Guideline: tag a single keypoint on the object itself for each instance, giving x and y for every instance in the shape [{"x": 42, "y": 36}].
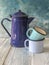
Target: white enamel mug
[{"x": 34, "y": 46}]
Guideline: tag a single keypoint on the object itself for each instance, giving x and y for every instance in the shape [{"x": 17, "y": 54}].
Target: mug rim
[
  {"x": 38, "y": 40},
  {"x": 38, "y": 31}
]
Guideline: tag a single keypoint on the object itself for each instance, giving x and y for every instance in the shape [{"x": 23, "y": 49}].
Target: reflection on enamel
[
  {"x": 14, "y": 19},
  {"x": 14, "y": 36}
]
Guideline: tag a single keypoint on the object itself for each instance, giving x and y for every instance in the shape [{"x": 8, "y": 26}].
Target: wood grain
[
  {"x": 1, "y": 41},
  {"x": 4, "y": 50},
  {"x": 20, "y": 56}
]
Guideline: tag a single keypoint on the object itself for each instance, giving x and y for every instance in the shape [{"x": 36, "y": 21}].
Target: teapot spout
[{"x": 30, "y": 19}]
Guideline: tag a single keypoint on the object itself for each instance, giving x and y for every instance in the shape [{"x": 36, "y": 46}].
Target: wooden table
[{"x": 19, "y": 56}]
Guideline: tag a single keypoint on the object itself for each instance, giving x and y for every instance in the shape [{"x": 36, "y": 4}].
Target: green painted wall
[{"x": 36, "y": 8}]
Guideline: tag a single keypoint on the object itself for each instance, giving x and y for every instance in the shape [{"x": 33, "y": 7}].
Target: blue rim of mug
[
  {"x": 38, "y": 31},
  {"x": 38, "y": 40}
]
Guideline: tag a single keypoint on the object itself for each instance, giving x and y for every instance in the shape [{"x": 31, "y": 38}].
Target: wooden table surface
[{"x": 19, "y": 56}]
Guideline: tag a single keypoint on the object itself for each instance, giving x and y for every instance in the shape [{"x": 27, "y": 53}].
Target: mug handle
[
  {"x": 27, "y": 33},
  {"x": 25, "y": 43}
]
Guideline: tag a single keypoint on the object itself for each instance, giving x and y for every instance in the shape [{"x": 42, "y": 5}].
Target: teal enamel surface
[{"x": 34, "y": 35}]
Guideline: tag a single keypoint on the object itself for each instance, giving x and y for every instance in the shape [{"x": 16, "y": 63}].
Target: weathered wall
[{"x": 36, "y": 8}]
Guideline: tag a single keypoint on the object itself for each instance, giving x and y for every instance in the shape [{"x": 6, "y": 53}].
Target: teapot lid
[{"x": 20, "y": 14}]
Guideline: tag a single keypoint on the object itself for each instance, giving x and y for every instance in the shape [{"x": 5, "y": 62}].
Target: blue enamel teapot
[{"x": 19, "y": 26}]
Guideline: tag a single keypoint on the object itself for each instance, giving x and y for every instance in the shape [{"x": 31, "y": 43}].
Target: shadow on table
[{"x": 46, "y": 49}]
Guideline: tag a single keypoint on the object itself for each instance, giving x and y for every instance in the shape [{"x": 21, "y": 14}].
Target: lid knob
[{"x": 19, "y": 10}]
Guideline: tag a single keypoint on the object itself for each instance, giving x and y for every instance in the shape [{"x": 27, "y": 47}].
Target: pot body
[{"x": 18, "y": 31}]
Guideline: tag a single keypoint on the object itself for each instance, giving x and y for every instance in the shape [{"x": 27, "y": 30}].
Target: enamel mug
[
  {"x": 34, "y": 46},
  {"x": 36, "y": 33}
]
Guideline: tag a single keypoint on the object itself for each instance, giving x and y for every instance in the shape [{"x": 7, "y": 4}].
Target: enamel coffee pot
[{"x": 19, "y": 27}]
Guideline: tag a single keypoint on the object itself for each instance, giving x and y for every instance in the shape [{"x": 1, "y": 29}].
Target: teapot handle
[{"x": 4, "y": 26}]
